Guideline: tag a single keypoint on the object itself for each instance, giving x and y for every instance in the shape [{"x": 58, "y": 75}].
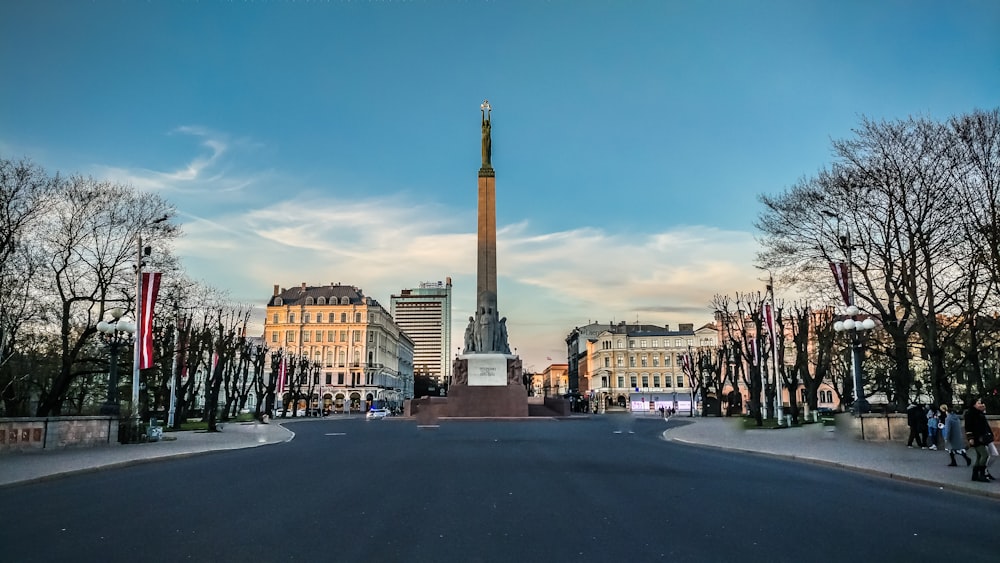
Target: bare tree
[{"x": 89, "y": 239}]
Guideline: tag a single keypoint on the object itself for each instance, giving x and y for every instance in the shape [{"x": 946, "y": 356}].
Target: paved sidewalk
[
  {"x": 35, "y": 465},
  {"x": 815, "y": 443}
]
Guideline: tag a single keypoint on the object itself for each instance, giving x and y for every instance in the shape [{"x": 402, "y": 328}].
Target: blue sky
[{"x": 338, "y": 141}]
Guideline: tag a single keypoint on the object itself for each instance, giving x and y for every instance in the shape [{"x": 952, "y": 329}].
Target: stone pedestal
[{"x": 483, "y": 386}]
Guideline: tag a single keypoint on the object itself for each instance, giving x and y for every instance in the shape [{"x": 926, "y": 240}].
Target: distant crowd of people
[{"x": 930, "y": 426}]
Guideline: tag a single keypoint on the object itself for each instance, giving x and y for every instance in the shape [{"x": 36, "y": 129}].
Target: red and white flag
[
  {"x": 840, "y": 273},
  {"x": 147, "y": 302},
  {"x": 769, "y": 319},
  {"x": 282, "y": 373}
]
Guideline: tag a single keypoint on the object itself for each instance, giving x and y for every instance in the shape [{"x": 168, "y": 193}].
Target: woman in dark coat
[{"x": 977, "y": 430}]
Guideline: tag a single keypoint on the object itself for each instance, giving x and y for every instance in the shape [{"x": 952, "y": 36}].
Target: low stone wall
[
  {"x": 57, "y": 432},
  {"x": 889, "y": 427}
]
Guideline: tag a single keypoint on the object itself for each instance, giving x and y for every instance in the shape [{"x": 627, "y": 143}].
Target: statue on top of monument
[{"x": 487, "y": 142}]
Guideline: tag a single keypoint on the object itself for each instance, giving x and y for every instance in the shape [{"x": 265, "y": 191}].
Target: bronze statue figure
[{"x": 487, "y": 141}]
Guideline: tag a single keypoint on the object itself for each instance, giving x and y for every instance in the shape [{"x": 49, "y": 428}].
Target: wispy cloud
[{"x": 205, "y": 174}]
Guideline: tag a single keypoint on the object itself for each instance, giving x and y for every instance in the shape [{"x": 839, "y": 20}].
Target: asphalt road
[{"x": 603, "y": 489}]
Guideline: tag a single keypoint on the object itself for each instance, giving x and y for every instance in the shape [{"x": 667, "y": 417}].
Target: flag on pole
[
  {"x": 147, "y": 302},
  {"x": 769, "y": 319},
  {"x": 840, "y": 272},
  {"x": 280, "y": 388}
]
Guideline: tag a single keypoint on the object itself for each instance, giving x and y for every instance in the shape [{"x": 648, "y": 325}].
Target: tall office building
[{"x": 424, "y": 314}]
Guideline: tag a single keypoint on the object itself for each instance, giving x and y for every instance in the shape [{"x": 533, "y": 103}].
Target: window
[
  {"x": 680, "y": 381},
  {"x": 631, "y": 361},
  {"x": 621, "y": 381},
  {"x": 342, "y": 359},
  {"x": 656, "y": 381},
  {"x": 291, "y": 317},
  {"x": 632, "y": 382},
  {"x": 357, "y": 317},
  {"x": 305, "y": 318},
  {"x": 321, "y": 301},
  {"x": 677, "y": 342},
  {"x": 607, "y": 362},
  {"x": 645, "y": 381},
  {"x": 329, "y": 359},
  {"x": 621, "y": 361},
  {"x": 274, "y": 319},
  {"x": 655, "y": 343},
  {"x": 643, "y": 361},
  {"x": 340, "y": 378},
  {"x": 355, "y": 336},
  {"x": 290, "y": 336},
  {"x": 329, "y": 376},
  {"x": 330, "y": 335},
  {"x": 331, "y": 318},
  {"x": 668, "y": 381},
  {"x": 309, "y": 301},
  {"x": 345, "y": 301},
  {"x": 343, "y": 336},
  {"x": 642, "y": 343},
  {"x": 278, "y": 301},
  {"x": 371, "y": 336},
  {"x": 319, "y": 336},
  {"x": 343, "y": 317},
  {"x": 305, "y": 336},
  {"x": 656, "y": 361},
  {"x": 666, "y": 361},
  {"x": 315, "y": 379},
  {"x": 621, "y": 344},
  {"x": 274, "y": 336},
  {"x": 690, "y": 341},
  {"x": 631, "y": 343}
]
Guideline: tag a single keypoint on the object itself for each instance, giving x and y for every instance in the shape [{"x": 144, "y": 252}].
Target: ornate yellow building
[{"x": 358, "y": 356}]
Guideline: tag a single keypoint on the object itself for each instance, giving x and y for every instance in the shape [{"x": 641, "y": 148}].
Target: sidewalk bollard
[{"x": 788, "y": 420}]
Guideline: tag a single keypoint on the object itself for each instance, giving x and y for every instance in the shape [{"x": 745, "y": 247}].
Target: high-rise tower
[{"x": 424, "y": 314}]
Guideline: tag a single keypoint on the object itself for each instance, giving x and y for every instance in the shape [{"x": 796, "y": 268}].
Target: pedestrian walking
[
  {"x": 979, "y": 435},
  {"x": 932, "y": 428},
  {"x": 953, "y": 437},
  {"x": 917, "y": 423}
]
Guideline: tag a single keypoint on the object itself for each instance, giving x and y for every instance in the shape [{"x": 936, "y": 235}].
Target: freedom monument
[{"x": 487, "y": 380}]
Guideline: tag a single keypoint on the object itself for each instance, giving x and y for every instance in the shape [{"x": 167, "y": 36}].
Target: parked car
[{"x": 377, "y": 413}]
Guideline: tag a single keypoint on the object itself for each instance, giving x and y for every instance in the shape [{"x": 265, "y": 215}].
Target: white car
[{"x": 377, "y": 413}]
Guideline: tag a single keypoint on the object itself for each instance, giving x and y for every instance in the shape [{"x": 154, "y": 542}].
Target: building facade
[
  {"x": 553, "y": 381},
  {"x": 577, "y": 357},
  {"x": 640, "y": 367},
  {"x": 358, "y": 356},
  {"x": 424, "y": 313}
]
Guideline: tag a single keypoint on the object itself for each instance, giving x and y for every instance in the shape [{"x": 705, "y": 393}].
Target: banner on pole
[
  {"x": 147, "y": 303},
  {"x": 840, "y": 272}
]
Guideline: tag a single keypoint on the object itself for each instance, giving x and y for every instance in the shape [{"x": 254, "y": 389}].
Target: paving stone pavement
[{"x": 824, "y": 445}]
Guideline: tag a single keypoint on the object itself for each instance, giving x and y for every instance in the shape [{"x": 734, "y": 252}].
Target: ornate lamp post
[
  {"x": 114, "y": 333},
  {"x": 854, "y": 325}
]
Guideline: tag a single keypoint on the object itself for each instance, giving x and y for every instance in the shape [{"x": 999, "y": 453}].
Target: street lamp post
[
  {"x": 854, "y": 326},
  {"x": 115, "y": 333}
]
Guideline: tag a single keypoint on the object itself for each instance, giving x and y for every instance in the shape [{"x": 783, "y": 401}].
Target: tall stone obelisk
[
  {"x": 487, "y": 380},
  {"x": 487, "y": 332},
  {"x": 486, "y": 280}
]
